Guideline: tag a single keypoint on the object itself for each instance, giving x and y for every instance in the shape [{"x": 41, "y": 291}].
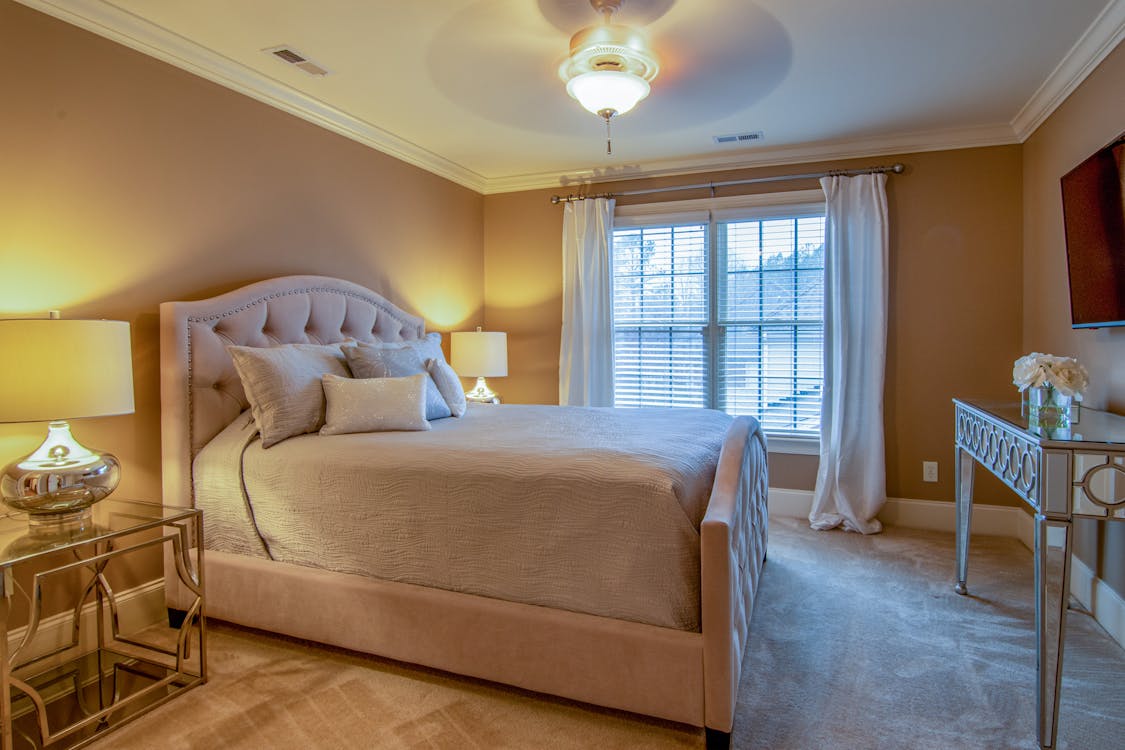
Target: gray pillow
[
  {"x": 282, "y": 384},
  {"x": 395, "y": 361}
]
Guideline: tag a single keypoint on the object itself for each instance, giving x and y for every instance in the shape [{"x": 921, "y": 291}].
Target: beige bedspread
[{"x": 590, "y": 510}]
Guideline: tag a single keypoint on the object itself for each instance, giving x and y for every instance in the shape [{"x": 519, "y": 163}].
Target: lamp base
[
  {"x": 62, "y": 477},
  {"x": 482, "y": 394},
  {"x": 63, "y": 523}
]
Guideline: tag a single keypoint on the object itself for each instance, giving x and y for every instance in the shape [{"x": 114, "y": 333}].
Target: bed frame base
[
  {"x": 176, "y": 618},
  {"x": 625, "y": 665},
  {"x": 717, "y": 740}
]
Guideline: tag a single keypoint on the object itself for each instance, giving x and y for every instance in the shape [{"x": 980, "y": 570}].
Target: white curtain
[
  {"x": 851, "y": 480},
  {"x": 586, "y": 357}
]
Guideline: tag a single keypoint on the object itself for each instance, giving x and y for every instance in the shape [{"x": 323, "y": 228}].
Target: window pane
[
  {"x": 743, "y": 243},
  {"x": 742, "y": 299},
  {"x": 660, "y": 306},
  {"x": 773, "y": 373},
  {"x": 660, "y": 275},
  {"x": 779, "y": 300},
  {"x": 659, "y": 367},
  {"x": 778, "y": 240},
  {"x": 769, "y": 313},
  {"x": 771, "y": 300},
  {"x": 810, "y": 293},
  {"x": 810, "y": 242}
]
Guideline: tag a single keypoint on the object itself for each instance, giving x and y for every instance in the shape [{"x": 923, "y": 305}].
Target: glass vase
[{"x": 1048, "y": 408}]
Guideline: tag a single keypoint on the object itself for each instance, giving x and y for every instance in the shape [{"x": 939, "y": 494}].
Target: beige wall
[
  {"x": 1091, "y": 117},
  {"x": 956, "y": 299},
  {"x": 128, "y": 182}
]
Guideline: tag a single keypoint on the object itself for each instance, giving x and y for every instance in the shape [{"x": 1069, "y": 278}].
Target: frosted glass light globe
[{"x": 601, "y": 90}]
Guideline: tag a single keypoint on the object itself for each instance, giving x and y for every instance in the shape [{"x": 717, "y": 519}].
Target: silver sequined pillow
[{"x": 374, "y": 404}]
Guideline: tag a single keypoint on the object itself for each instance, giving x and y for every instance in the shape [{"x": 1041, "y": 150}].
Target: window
[{"x": 723, "y": 308}]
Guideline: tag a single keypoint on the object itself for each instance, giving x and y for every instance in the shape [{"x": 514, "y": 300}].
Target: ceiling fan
[{"x": 609, "y": 66}]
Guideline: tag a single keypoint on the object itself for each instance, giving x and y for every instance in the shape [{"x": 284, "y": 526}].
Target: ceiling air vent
[
  {"x": 723, "y": 140},
  {"x": 295, "y": 58}
]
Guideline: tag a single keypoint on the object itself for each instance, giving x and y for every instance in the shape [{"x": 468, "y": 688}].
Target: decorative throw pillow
[
  {"x": 428, "y": 347},
  {"x": 282, "y": 384},
  {"x": 374, "y": 404},
  {"x": 395, "y": 361},
  {"x": 447, "y": 380},
  {"x": 448, "y": 385}
]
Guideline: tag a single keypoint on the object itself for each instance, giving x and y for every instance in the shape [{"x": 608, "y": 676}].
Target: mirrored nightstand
[{"x": 67, "y": 678}]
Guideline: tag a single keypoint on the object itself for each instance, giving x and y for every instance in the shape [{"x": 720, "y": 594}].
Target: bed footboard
[{"x": 732, "y": 551}]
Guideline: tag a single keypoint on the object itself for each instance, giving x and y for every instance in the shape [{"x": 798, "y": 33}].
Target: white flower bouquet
[{"x": 1064, "y": 374}]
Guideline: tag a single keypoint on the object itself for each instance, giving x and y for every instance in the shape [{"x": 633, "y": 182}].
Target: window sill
[{"x": 799, "y": 446}]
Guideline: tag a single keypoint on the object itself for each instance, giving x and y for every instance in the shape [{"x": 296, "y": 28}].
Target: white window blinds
[
  {"x": 660, "y": 312},
  {"x": 725, "y": 312}
]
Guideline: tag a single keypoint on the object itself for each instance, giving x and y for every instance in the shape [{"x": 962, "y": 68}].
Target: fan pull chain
[{"x": 608, "y": 139}]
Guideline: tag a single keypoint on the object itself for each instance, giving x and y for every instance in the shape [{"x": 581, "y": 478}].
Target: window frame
[{"x": 712, "y": 211}]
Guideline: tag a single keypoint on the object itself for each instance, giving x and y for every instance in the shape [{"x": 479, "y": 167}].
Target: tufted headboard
[{"x": 200, "y": 392}]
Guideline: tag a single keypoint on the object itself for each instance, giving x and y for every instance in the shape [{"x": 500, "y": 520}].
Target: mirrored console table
[{"x": 1062, "y": 475}]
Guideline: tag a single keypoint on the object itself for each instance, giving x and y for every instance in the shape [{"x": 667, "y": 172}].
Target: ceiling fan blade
[{"x": 711, "y": 70}]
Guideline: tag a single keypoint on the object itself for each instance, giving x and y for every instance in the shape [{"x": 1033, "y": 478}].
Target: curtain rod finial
[{"x": 898, "y": 168}]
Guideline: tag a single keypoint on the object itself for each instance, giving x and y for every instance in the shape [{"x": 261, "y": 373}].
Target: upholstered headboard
[{"x": 200, "y": 392}]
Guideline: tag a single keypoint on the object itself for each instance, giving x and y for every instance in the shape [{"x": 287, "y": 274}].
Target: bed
[{"x": 672, "y": 650}]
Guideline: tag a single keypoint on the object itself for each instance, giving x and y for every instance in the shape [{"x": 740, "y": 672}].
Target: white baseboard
[
  {"x": 1105, "y": 604},
  {"x": 137, "y": 608},
  {"x": 1094, "y": 594},
  {"x": 990, "y": 520}
]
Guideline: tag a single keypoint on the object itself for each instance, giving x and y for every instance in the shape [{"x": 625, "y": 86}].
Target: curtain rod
[{"x": 896, "y": 168}]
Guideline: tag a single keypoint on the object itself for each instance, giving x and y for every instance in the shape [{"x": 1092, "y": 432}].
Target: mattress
[{"x": 584, "y": 509}]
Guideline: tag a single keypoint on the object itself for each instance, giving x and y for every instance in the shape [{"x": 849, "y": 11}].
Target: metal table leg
[
  {"x": 1052, "y": 590},
  {"x": 963, "y": 491},
  {"x": 6, "y": 587}
]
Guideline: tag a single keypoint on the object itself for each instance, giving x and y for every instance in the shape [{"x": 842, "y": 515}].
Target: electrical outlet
[{"x": 929, "y": 471}]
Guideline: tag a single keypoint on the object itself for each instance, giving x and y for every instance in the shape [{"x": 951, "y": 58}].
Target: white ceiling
[{"x": 469, "y": 88}]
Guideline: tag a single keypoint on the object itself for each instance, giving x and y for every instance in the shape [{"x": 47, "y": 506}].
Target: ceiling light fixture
[{"x": 609, "y": 66}]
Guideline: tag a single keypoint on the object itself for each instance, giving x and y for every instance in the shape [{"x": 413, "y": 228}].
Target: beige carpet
[{"x": 858, "y": 642}]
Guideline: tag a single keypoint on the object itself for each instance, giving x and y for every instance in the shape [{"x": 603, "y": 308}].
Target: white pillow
[
  {"x": 395, "y": 361},
  {"x": 282, "y": 384},
  {"x": 375, "y": 404}
]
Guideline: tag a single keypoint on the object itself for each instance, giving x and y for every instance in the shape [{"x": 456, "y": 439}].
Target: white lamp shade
[
  {"x": 479, "y": 354},
  {"x": 64, "y": 369},
  {"x": 600, "y": 90}
]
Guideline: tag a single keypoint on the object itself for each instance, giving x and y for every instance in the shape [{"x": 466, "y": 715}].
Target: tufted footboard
[{"x": 733, "y": 549}]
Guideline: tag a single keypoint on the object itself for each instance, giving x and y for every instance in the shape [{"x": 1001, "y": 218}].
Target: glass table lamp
[
  {"x": 55, "y": 370},
  {"x": 480, "y": 354}
]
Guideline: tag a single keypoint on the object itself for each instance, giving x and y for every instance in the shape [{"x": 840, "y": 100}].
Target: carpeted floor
[{"x": 857, "y": 643}]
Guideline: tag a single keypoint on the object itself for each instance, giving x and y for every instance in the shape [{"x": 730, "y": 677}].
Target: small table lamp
[
  {"x": 480, "y": 354},
  {"x": 56, "y": 370}
]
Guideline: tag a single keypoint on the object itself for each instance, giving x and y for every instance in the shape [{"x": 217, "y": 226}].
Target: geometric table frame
[{"x": 69, "y": 695}]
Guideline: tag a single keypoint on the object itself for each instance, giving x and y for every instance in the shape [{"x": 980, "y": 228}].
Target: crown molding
[
  {"x": 118, "y": 25},
  {"x": 845, "y": 148},
  {"x": 1104, "y": 34},
  {"x": 125, "y": 28}
]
